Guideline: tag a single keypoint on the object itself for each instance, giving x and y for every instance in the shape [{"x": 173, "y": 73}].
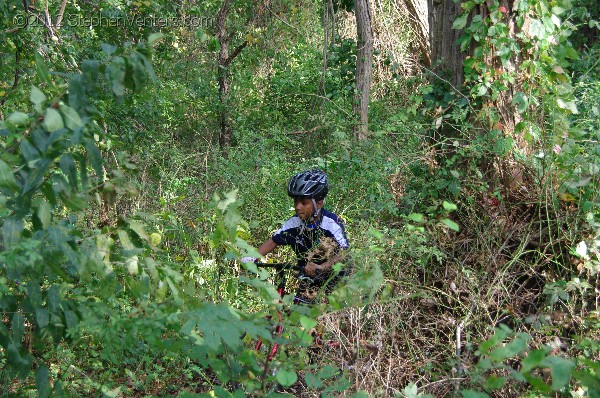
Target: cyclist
[{"x": 315, "y": 234}]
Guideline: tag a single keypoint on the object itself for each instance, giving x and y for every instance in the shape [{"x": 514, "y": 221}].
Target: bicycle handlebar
[{"x": 279, "y": 266}]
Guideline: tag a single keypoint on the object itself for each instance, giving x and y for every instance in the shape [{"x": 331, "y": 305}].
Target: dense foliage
[{"x": 473, "y": 212}]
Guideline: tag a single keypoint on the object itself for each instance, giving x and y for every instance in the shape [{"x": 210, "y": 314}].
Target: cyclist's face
[{"x": 304, "y": 208}]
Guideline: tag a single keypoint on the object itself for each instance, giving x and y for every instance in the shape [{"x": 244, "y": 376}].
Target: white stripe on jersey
[{"x": 330, "y": 225}]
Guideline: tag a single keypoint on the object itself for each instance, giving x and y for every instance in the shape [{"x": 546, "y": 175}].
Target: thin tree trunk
[
  {"x": 364, "y": 67},
  {"x": 222, "y": 75},
  {"x": 223, "y": 62}
]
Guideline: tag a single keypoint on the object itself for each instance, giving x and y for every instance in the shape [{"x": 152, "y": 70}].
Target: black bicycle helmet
[{"x": 310, "y": 184}]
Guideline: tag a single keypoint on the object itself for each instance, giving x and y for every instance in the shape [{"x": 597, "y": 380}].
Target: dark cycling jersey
[{"x": 303, "y": 238}]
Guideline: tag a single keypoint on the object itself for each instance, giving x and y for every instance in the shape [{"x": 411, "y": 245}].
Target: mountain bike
[{"x": 280, "y": 280}]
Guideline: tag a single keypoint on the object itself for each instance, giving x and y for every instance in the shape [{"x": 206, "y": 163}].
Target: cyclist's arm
[
  {"x": 311, "y": 268},
  {"x": 267, "y": 247}
]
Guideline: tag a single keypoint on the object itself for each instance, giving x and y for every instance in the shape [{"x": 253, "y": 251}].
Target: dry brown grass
[{"x": 494, "y": 272}]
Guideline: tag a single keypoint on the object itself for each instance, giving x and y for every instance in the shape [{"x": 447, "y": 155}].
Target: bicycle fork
[{"x": 276, "y": 332}]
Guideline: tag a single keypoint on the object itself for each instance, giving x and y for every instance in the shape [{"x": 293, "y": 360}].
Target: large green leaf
[
  {"x": 7, "y": 178},
  {"x": 11, "y": 229},
  {"x": 43, "y": 213},
  {"x": 18, "y": 118},
  {"x": 42, "y": 381},
  {"x": 71, "y": 117},
  {"x": 38, "y": 98},
  {"x": 286, "y": 377},
  {"x": 52, "y": 120},
  {"x": 561, "y": 369},
  {"x": 115, "y": 75}
]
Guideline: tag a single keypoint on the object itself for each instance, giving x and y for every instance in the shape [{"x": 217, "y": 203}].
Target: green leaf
[
  {"x": 42, "y": 317},
  {"x": 567, "y": 105},
  {"x": 521, "y": 102},
  {"x": 499, "y": 335},
  {"x": 38, "y": 98},
  {"x": 44, "y": 213},
  {"x": 416, "y": 217},
  {"x": 132, "y": 264},
  {"x": 327, "y": 372},
  {"x": 449, "y": 206},
  {"x": 451, "y": 224},
  {"x": 109, "y": 49},
  {"x": 115, "y": 75},
  {"x": 155, "y": 38},
  {"x": 495, "y": 382},
  {"x": 307, "y": 323},
  {"x": 220, "y": 392},
  {"x": 18, "y": 119},
  {"x": 138, "y": 228},
  {"x": 11, "y": 229},
  {"x": 17, "y": 326},
  {"x": 7, "y": 178},
  {"x": 69, "y": 168},
  {"x": 561, "y": 369},
  {"x": 114, "y": 393},
  {"x": 95, "y": 157},
  {"x": 230, "y": 198},
  {"x": 533, "y": 360},
  {"x": 42, "y": 381},
  {"x": 286, "y": 377},
  {"x": 71, "y": 319},
  {"x": 74, "y": 202},
  {"x": 313, "y": 381},
  {"x": 481, "y": 90},
  {"x": 460, "y": 22},
  {"x": 410, "y": 391},
  {"x": 52, "y": 120},
  {"x": 71, "y": 117},
  {"x": 41, "y": 68}
]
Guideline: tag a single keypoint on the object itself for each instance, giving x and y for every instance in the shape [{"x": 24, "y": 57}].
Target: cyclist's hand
[
  {"x": 249, "y": 259},
  {"x": 311, "y": 269}
]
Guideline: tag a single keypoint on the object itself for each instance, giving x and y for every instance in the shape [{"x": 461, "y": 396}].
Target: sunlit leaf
[
  {"x": 416, "y": 217},
  {"x": 18, "y": 119},
  {"x": 451, "y": 224},
  {"x": 52, "y": 120},
  {"x": 38, "y": 98},
  {"x": 71, "y": 117},
  {"x": 449, "y": 206},
  {"x": 154, "y": 38},
  {"x": 568, "y": 105},
  {"x": 286, "y": 377}
]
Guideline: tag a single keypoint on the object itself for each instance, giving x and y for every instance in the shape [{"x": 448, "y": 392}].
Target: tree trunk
[
  {"x": 222, "y": 75},
  {"x": 417, "y": 9},
  {"x": 445, "y": 51},
  {"x": 364, "y": 67}
]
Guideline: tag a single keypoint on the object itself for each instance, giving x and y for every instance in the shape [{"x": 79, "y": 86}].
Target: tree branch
[
  {"x": 235, "y": 53},
  {"x": 61, "y": 13}
]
